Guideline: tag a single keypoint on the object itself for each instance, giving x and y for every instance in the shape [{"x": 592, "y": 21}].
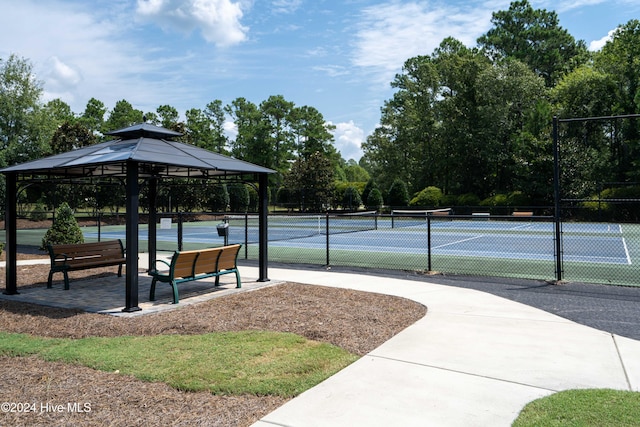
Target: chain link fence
[{"x": 592, "y": 247}]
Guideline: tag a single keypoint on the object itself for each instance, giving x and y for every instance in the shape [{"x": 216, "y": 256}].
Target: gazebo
[{"x": 139, "y": 152}]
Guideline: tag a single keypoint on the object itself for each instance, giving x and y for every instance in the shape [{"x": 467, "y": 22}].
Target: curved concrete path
[{"x": 475, "y": 359}]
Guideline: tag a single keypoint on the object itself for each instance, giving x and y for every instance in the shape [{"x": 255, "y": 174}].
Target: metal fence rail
[{"x": 480, "y": 244}]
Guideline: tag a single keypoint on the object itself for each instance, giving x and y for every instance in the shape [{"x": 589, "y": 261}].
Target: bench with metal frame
[
  {"x": 187, "y": 266},
  {"x": 83, "y": 256}
]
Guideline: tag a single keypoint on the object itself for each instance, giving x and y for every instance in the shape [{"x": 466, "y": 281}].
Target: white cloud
[
  {"x": 217, "y": 20},
  {"x": 596, "y": 45},
  {"x": 392, "y": 32},
  {"x": 286, "y": 6},
  {"x": 348, "y": 140},
  {"x": 332, "y": 70}
]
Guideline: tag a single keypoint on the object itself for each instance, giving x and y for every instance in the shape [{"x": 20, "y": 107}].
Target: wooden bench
[
  {"x": 187, "y": 266},
  {"x": 522, "y": 213},
  {"x": 83, "y": 256}
]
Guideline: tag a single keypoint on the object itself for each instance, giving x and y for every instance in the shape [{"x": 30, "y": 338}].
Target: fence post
[
  {"x": 428, "y": 242},
  {"x": 246, "y": 235},
  {"x": 327, "y": 234},
  {"x": 556, "y": 197},
  {"x": 179, "y": 231}
]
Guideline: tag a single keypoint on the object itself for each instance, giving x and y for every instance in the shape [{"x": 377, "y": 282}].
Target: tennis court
[
  {"x": 491, "y": 246},
  {"x": 525, "y": 240}
]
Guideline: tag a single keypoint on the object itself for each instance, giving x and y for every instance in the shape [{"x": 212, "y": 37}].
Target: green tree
[
  {"x": 20, "y": 94},
  {"x": 351, "y": 199},
  {"x": 169, "y": 116},
  {"x": 122, "y": 115},
  {"x": 618, "y": 59},
  {"x": 428, "y": 197},
  {"x": 93, "y": 116},
  {"x": 535, "y": 37},
  {"x": 64, "y": 230},
  {"x": 398, "y": 196},
  {"x": 205, "y": 129},
  {"x": 238, "y": 197},
  {"x": 310, "y": 181},
  {"x": 355, "y": 173},
  {"x": 374, "y": 199},
  {"x": 217, "y": 197},
  {"x": 312, "y": 134},
  {"x": 71, "y": 136},
  {"x": 252, "y": 143},
  {"x": 276, "y": 112}
]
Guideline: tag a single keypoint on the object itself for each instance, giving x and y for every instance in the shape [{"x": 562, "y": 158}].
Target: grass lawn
[
  {"x": 225, "y": 363},
  {"x": 580, "y": 408}
]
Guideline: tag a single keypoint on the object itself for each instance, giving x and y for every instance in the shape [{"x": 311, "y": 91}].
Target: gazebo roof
[{"x": 150, "y": 146}]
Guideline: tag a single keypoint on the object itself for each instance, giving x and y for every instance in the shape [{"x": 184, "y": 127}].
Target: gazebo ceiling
[{"x": 148, "y": 145}]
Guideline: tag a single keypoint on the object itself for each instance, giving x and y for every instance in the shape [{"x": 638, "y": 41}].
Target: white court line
[
  {"x": 459, "y": 241},
  {"x": 626, "y": 251}
]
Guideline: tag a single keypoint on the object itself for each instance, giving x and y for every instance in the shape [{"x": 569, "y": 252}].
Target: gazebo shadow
[{"x": 105, "y": 294}]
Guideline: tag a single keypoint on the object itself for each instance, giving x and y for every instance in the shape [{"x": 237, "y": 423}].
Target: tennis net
[
  {"x": 415, "y": 218},
  {"x": 298, "y": 226}
]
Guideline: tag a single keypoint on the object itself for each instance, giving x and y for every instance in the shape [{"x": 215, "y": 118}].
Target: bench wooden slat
[
  {"x": 187, "y": 266},
  {"x": 82, "y": 256}
]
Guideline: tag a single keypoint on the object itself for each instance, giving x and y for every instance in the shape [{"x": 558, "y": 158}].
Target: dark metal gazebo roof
[
  {"x": 150, "y": 146},
  {"x": 140, "y": 151}
]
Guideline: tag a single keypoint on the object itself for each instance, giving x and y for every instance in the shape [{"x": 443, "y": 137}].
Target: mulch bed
[{"x": 356, "y": 321}]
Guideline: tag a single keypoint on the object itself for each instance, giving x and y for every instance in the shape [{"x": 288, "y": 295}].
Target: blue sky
[{"x": 336, "y": 56}]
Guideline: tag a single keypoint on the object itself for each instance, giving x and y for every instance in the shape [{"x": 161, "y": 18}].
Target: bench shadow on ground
[{"x": 107, "y": 295}]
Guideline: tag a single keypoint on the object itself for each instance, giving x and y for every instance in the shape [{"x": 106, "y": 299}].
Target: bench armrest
[{"x": 155, "y": 268}]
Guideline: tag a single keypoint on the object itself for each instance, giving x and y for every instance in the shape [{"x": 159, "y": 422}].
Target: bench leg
[
  {"x": 174, "y": 286},
  {"x": 66, "y": 280},
  {"x": 120, "y": 270},
  {"x": 239, "y": 283},
  {"x": 49, "y": 281},
  {"x": 152, "y": 290}
]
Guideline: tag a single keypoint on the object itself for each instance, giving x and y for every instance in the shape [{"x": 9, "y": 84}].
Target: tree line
[
  {"x": 473, "y": 124},
  {"x": 465, "y": 126},
  {"x": 294, "y": 141}
]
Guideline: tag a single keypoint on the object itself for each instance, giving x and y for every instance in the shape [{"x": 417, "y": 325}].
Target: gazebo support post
[
  {"x": 263, "y": 206},
  {"x": 132, "y": 238},
  {"x": 153, "y": 191},
  {"x": 10, "y": 225}
]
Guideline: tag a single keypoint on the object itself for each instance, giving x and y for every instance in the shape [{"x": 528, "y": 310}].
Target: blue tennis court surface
[{"x": 582, "y": 242}]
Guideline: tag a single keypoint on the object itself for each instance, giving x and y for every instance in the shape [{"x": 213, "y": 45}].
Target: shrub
[
  {"x": 374, "y": 200},
  {"x": 254, "y": 201},
  {"x": 38, "y": 213},
  {"x": 468, "y": 199},
  {"x": 218, "y": 198},
  {"x": 371, "y": 184},
  {"x": 398, "y": 194},
  {"x": 64, "y": 230},
  {"x": 518, "y": 198},
  {"x": 351, "y": 198},
  {"x": 430, "y": 196},
  {"x": 238, "y": 197}
]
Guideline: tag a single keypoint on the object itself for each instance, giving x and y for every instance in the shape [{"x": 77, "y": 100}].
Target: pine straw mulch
[{"x": 355, "y": 321}]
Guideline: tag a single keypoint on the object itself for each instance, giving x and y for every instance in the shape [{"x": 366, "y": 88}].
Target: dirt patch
[{"x": 356, "y": 321}]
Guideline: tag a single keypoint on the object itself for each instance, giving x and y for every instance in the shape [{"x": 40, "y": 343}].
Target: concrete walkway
[{"x": 475, "y": 359}]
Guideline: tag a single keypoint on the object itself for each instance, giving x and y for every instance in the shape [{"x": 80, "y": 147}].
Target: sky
[{"x": 336, "y": 56}]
